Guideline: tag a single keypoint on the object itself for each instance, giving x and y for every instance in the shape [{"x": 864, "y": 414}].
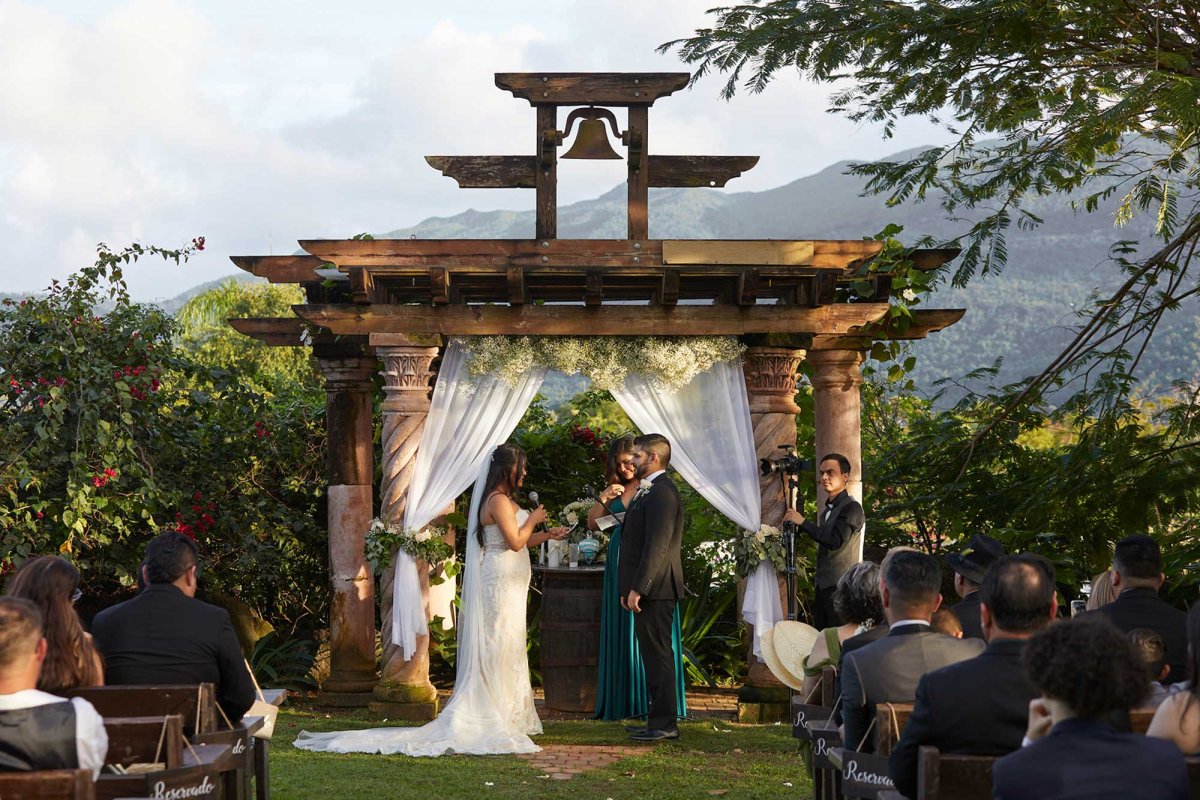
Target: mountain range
[{"x": 1020, "y": 317}]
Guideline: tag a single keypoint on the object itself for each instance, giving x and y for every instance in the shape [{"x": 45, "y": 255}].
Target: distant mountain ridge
[{"x": 1021, "y": 316}]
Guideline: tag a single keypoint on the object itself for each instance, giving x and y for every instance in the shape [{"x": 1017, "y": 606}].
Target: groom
[{"x": 650, "y": 578}]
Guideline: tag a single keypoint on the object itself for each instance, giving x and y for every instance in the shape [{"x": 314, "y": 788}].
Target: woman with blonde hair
[
  {"x": 1103, "y": 591},
  {"x": 72, "y": 661}
]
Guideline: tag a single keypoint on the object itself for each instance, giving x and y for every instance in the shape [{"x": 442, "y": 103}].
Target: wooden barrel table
[{"x": 570, "y": 631}]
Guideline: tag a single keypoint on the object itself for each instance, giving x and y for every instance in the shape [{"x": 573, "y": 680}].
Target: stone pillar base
[
  {"x": 331, "y": 699},
  {"x": 409, "y": 712},
  {"x": 762, "y": 705},
  {"x": 361, "y": 681}
]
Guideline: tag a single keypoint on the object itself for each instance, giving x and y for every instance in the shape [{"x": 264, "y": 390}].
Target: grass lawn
[{"x": 713, "y": 758}]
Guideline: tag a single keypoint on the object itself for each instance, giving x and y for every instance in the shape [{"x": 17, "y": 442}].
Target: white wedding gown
[{"x": 491, "y": 710}]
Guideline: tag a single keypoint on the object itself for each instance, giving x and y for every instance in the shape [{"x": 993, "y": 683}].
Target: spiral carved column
[
  {"x": 349, "y": 467},
  {"x": 771, "y": 374},
  {"x": 404, "y": 690}
]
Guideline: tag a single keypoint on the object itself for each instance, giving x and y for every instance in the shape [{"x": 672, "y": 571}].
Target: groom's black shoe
[
  {"x": 635, "y": 728},
  {"x": 654, "y": 735}
]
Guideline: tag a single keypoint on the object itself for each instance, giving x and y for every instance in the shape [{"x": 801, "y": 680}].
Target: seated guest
[
  {"x": 863, "y": 639},
  {"x": 39, "y": 731},
  {"x": 1103, "y": 591},
  {"x": 52, "y": 584},
  {"x": 980, "y": 706},
  {"x": 1137, "y": 576},
  {"x": 1152, "y": 651},
  {"x": 1086, "y": 669},
  {"x": 856, "y": 601},
  {"x": 1178, "y": 717},
  {"x": 887, "y": 670},
  {"x": 945, "y": 621},
  {"x": 165, "y": 635},
  {"x": 969, "y": 568}
]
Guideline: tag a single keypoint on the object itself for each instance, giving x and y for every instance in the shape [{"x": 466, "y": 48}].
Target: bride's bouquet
[{"x": 425, "y": 544}]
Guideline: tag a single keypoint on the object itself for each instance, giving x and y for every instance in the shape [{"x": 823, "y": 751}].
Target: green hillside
[{"x": 1020, "y": 316}]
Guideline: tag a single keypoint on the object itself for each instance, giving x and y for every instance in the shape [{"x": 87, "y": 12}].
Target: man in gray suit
[{"x": 888, "y": 670}]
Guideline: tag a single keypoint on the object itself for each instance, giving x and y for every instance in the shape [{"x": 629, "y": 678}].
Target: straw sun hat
[{"x": 784, "y": 648}]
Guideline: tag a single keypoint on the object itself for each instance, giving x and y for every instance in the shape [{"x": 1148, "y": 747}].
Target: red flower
[
  {"x": 116, "y": 374},
  {"x": 208, "y": 520},
  {"x": 99, "y": 481},
  {"x": 197, "y": 495},
  {"x": 41, "y": 402},
  {"x": 186, "y": 530},
  {"x": 60, "y": 380},
  {"x": 198, "y": 242},
  {"x": 39, "y": 514},
  {"x": 154, "y": 384},
  {"x": 110, "y": 472}
]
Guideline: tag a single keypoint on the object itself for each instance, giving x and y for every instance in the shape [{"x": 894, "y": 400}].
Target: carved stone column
[
  {"x": 771, "y": 374},
  {"x": 350, "y": 467},
  {"x": 837, "y": 411},
  {"x": 404, "y": 690}
]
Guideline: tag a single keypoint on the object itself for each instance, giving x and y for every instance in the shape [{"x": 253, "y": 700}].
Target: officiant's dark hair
[
  {"x": 507, "y": 460},
  {"x": 656, "y": 443},
  {"x": 617, "y": 448}
]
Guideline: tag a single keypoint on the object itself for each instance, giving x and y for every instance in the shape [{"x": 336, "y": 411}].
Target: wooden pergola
[{"x": 398, "y": 300}]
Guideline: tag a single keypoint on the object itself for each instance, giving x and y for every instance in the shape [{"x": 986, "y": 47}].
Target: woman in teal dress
[{"x": 621, "y": 693}]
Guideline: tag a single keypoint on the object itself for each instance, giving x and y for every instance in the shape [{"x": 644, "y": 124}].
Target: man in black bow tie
[{"x": 838, "y": 535}]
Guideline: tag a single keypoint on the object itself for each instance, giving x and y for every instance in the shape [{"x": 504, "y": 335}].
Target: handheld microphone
[{"x": 533, "y": 498}]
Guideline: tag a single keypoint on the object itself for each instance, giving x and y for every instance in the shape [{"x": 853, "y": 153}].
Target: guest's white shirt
[
  {"x": 900, "y": 622},
  {"x": 91, "y": 740}
]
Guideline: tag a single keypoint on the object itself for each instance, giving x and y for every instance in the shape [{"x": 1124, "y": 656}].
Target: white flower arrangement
[
  {"x": 575, "y": 512},
  {"x": 425, "y": 544},
  {"x": 669, "y": 361},
  {"x": 751, "y": 547}
]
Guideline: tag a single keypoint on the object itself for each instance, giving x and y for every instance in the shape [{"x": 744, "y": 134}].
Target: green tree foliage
[
  {"x": 205, "y": 332},
  {"x": 111, "y": 432},
  {"x": 1097, "y": 99}
]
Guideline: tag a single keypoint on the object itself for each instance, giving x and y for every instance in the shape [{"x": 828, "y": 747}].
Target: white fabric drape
[
  {"x": 712, "y": 447},
  {"x": 712, "y": 440},
  {"x": 761, "y": 606},
  {"x": 469, "y": 416}
]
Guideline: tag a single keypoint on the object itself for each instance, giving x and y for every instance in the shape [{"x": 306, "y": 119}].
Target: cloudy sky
[{"x": 255, "y": 123}]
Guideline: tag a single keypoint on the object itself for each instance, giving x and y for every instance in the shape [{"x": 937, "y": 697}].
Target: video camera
[{"x": 787, "y": 464}]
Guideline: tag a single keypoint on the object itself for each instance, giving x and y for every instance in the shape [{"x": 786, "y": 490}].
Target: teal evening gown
[{"x": 621, "y": 693}]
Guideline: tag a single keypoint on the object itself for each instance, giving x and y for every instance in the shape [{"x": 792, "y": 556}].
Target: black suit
[
  {"x": 1082, "y": 758},
  {"x": 967, "y": 612},
  {"x": 162, "y": 636},
  {"x": 1141, "y": 608},
  {"x": 650, "y": 564},
  {"x": 888, "y": 671},
  {"x": 975, "y": 707},
  {"x": 839, "y": 538}
]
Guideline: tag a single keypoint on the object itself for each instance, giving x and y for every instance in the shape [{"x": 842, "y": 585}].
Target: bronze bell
[{"x": 592, "y": 141}]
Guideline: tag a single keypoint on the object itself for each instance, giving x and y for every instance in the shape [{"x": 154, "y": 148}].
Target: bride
[{"x": 491, "y": 710}]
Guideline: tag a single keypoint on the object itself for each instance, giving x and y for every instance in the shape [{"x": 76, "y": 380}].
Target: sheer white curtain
[
  {"x": 712, "y": 447},
  {"x": 468, "y": 416}
]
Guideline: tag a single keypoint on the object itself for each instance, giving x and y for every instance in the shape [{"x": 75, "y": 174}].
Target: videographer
[{"x": 838, "y": 535}]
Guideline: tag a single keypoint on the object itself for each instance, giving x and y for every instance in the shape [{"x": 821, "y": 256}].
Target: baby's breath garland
[{"x": 669, "y": 361}]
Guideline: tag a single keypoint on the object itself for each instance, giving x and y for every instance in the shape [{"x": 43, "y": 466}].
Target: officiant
[
  {"x": 621, "y": 692},
  {"x": 838, "y": 534}
]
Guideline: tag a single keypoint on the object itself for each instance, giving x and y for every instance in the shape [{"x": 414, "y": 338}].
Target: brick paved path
[{"x": 561, "y": 762}]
